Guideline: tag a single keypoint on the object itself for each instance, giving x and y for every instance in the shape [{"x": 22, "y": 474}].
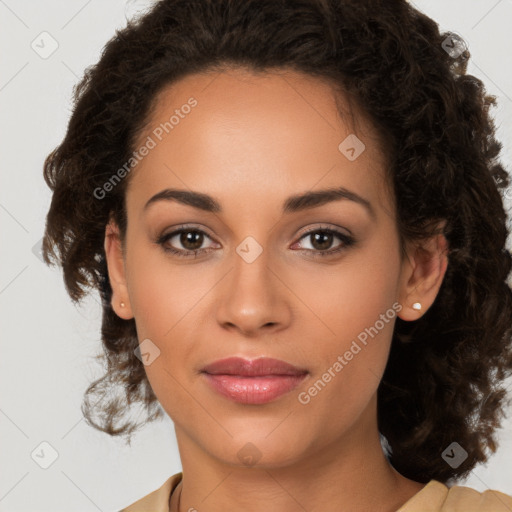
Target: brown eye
[
  {"x": 184, "y": 242},
  {"x": 322, "y": 239},
  {"x": 191, "y": 240}
]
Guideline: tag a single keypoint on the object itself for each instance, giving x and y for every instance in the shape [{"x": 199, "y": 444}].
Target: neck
[{"x": 351, "y": 473}]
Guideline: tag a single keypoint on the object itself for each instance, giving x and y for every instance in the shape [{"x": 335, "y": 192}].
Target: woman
[{"x": 292, "y": 210}]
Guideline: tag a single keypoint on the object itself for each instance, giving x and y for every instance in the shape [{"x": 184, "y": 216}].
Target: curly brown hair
[{"x": 444, "y": 378}]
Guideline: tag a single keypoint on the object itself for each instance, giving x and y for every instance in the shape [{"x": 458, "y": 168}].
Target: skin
[{"x": 252, "y": 141}]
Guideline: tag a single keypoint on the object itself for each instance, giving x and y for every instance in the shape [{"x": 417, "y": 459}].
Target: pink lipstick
[{"x": 253, "y": 382}]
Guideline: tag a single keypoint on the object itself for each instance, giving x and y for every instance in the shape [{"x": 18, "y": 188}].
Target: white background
[{"x": 48, "y": 344}]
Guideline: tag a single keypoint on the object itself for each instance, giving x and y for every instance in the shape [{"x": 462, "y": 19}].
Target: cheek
[
  {"x": 348, "y": 367},
  {"x": 355, "y": 309},
  {"x": 163, "y": 303},
  {"x": 166, "y": 301},
  {"x": 161, "y": 293},
  {"x": 351, "y": 296}
]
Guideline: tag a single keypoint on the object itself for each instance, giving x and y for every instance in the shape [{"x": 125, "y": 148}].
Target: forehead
[{"x": 238, "y": 134}]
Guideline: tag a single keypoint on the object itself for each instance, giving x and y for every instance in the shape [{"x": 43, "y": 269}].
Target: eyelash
[{"x": 347, "y": 240}]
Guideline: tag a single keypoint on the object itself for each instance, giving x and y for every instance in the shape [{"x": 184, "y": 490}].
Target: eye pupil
[
  {"x": 187, "y": 237},
  {"x": 327, "y": 240}
]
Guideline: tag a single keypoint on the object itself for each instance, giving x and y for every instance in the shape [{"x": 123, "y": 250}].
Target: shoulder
[
  {"x": 157, "y": 500},
  {"x": 471, "y": 500},
  {"x": 437, "y": 497}
]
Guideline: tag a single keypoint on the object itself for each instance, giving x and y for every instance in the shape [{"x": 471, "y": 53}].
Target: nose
[{"x": 253, "y": 298}]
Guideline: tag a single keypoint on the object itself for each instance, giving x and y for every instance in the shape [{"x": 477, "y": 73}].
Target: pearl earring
[
  {"x": 122, "y": 304},
  {"x": 416, "y": 306}
]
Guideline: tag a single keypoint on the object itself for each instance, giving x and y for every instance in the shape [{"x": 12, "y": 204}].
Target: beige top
[{"x": 434, "y": 497}]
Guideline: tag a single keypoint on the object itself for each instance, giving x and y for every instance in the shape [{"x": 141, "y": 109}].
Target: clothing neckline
[
  {"x": 177, "y": 493},
  {"x": 441, "y": 490}
]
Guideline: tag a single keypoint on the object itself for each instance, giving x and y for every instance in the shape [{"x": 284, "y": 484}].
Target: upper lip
[{"x": 252, "y": 368}]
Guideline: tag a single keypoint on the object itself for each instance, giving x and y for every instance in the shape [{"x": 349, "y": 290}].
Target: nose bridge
[
  {"x": 251, "y": 263},
  {"x": 252, "y": 296}
]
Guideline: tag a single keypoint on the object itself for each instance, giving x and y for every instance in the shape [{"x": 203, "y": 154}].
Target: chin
[{"x": 258, "y": 451}]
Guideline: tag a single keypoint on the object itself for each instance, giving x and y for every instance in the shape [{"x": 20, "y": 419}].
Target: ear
[
  {"x": 116, "y": 271},
  {"x": 422, "y": 274}
]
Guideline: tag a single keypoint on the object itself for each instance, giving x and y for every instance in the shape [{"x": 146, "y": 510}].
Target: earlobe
[
  {"x": 116, "y": 272},
  {"x": 424, "y": 274}
]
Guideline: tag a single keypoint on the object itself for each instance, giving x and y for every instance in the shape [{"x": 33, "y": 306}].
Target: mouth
[{"x": 253, "y": 382}]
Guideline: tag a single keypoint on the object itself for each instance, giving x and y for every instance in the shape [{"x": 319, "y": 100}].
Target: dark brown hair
[{"x": 443, "y": 381}]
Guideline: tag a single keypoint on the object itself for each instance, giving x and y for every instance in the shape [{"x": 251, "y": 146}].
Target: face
[{"x": 256, "y": 272}]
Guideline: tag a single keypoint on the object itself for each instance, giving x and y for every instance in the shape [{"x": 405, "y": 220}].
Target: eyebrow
[{"x": 293, "y": 204}]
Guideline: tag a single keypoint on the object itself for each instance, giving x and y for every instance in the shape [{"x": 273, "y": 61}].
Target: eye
[
  {"x": 322, "y": 238},
  {"x": 191, "y": 239}
]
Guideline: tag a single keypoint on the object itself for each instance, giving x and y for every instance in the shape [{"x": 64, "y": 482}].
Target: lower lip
[{"x": 253, "y": 390}]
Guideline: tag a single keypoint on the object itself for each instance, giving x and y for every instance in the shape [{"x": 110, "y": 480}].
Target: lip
[
  {"x": 252, "y": 368},
  {"x": 253, "y": 382}
]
